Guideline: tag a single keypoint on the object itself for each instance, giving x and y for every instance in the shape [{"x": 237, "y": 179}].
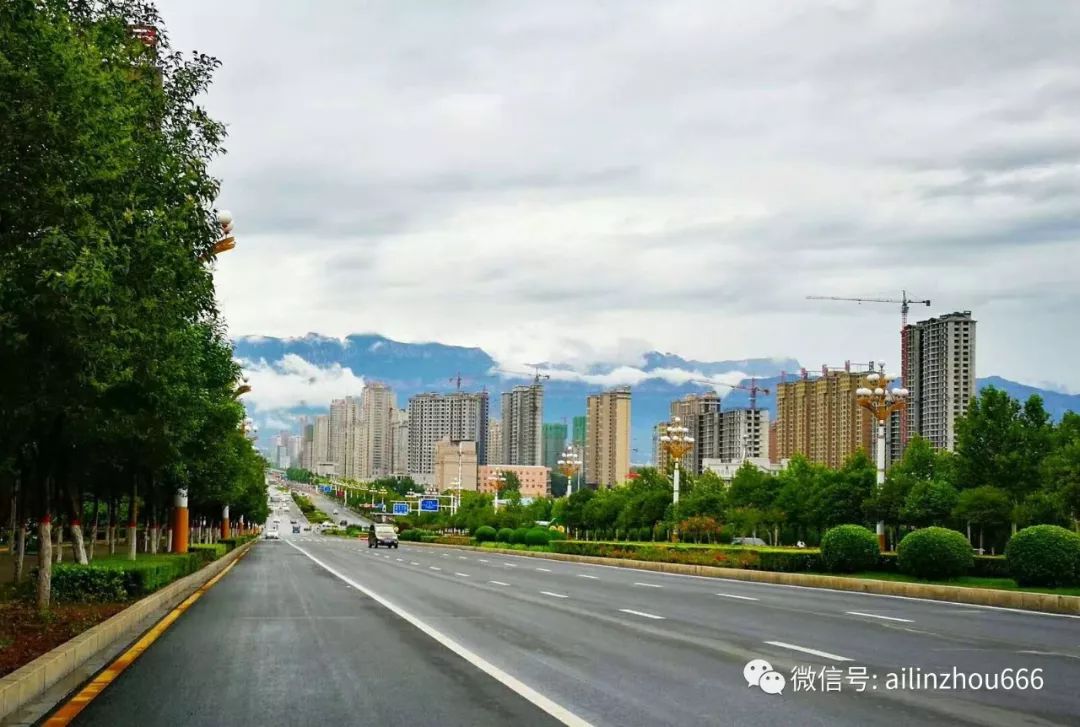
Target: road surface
[
  {"x": 328, "y": 506},
  {"x": 319, "y": 628}
]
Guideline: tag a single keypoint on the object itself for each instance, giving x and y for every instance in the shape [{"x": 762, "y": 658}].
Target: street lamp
[
  {"x": 569, "y": 465},
  {"x": 497, "y": 479},
  {"x": 881, "y": 401},
  {"x": 676, "y": 442}
]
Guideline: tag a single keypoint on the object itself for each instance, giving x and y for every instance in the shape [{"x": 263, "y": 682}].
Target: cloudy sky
[{"x": 579, "y": 181}]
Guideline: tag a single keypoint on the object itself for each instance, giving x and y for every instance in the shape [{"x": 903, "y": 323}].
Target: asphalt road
[
  {"x": 328, "y": 506},
  {"x": 320, "y": 628}
]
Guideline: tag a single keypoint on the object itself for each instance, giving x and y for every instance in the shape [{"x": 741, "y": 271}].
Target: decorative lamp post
[
  {"x": 676, "y": 442},
  {"x": 881, "y": 401},
  {"x": 498, "y": 481},
  {"x": 569, "y": 464}
]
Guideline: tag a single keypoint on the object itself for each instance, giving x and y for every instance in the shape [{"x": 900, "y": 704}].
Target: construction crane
[
  {"x": 537, "y": 377},
  {"x": 753, "y": 388},
  {"x": 457, "y": 380},
  {"x": 904, "y": 301}
]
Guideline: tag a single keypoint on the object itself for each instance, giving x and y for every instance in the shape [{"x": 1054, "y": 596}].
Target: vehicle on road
[
  {"x": 272, "y": 535},
  {"x": 381, "y": 534},
  {"x": 335, "y": 511},
  {"x": 344, "y": 523},
  {"x": 295, "y": 528}
]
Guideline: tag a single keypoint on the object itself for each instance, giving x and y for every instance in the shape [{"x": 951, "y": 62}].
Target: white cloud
[
  {"x": 519, "y": 175},
  {"x": 631, "y": 376},
  {"x": 293, "y": 381}
]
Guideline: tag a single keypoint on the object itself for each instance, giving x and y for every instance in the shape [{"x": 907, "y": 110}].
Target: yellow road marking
[{"x": 105, "y": 677}]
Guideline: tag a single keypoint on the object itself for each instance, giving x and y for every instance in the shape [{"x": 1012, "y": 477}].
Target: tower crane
[
  {"x": 904, "y": 301},
  {"x": 753, "y": 388}
]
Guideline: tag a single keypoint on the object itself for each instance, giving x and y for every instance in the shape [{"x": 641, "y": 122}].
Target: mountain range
[{"x": 293, "y": 376}]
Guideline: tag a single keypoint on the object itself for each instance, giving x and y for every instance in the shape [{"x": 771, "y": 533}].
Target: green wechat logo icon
[{"x": 759, "y": 673}]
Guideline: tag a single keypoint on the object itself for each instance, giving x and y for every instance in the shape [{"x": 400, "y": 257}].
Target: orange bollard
[
  {"x": 225, "y": 531},
  {"x": 180, "y": 522}
]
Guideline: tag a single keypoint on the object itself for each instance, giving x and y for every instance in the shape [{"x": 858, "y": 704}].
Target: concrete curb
[
  {"x": 1021, "y": 600},
  {"x": 28, "y": 682}
]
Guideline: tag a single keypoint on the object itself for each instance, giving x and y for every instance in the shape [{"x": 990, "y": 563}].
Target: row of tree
[
  {"x": 117, "y": 380},
  {"x": 1012, "y": 467}
]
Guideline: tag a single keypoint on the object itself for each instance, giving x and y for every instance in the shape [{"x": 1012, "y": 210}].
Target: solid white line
[
  {"x": 434, "y": 567},
  {"x": 555, "y": 595},
  {"x": 544, "y": 570},
  {"x": 499, "y": 583},
  {"x": 874, "y": 615},
  {"x": 463, "y": 575},
  {"x": 649, "y": 585},
  {"x": 555, "y": 710},
  {"x": 741, "y": 598},
  {"x": 805, "y": 650},
  {"x": 642, "y": 613},
  {"x": 582, "y": 575}
]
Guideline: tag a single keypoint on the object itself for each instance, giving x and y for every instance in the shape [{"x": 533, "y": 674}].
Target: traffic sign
[
  {"x": 401, "y": 508},
  {"x": 429, "y": 504}
]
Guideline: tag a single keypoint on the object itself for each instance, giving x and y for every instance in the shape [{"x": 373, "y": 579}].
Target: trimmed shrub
[
  {"x": 518, "y": 536},
  {"x": 774, "y": 559},
  {"x": 1044, "y": 555},
  {"x": 208, "y": 552},
  {"x": 849, "y": 548},
  {"x": 536, "y": 536},
  {"x": 72, "y": 583},
  {"x": 485, "y": 534},
  {"x": 555, "y": 535},
  {"x": 504, "y": 535},
  {"x": 935, "y": 554}
]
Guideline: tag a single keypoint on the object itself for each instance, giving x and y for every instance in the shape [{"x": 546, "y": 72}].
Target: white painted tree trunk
[
  {"x": 77, "y": 545},
  {"x": 59, "y": 541},
  {"x": 20, "y": 559},
  {"x": 45, "y": 556},
  {"x": 168, "y": 540},
  {"x": 132, "y": 540},
  {"x": 154, "y": 539}
]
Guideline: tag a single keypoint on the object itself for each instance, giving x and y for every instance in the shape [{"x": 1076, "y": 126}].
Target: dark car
[{"x": 381, "y": 534}]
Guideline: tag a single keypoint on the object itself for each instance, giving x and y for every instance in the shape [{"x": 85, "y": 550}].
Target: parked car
[
  {"x": 747, "y": 541},
  {"x": 382, "y": 534}
]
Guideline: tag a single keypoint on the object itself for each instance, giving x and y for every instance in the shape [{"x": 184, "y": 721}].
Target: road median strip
[{"x": 1049, "y": 603}]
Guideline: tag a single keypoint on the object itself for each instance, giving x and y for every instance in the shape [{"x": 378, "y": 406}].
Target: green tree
[
  {"x": 930, "y": 502},
  {"x": 843, "y": 493},
  {"x": 984, "y": 507}
]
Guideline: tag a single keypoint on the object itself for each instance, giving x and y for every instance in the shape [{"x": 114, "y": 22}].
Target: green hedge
[
  {"x": 848, "y": 549},
  {"x": 1044, "y": 555},
  {"x": 121, "y": 580},
  {"x": 731, "y": 556},
  {"x": 209, "y": 552},
  {"x": 518, "y": 536},
  {"x": 536, "y": 536},
  {"x": 504, "y": 535},
  {"x": 236, "y": 541},
  {"x": 935, "y": 554}
]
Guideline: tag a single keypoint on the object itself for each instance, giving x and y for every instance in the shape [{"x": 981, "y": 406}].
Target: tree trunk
[
  {"x": 154, "y": 534},
  {"x": 94, "y": 528},
  {"x": 59, "y": 540},
  {"x": 981, "y": 551},
  {"x": 77, "y": 544},
  {"x": 20, "y": 558},
  {"x": 969, "y": 531},
  {"x": 133, "y": 527},
  {"x": 14, "y": 516},
  {"x": 110, "y": 531},
  {"x": 44, "y": 579},
  {"x": 168, "y": 540}
]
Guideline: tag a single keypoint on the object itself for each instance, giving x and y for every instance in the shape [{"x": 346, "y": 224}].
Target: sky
[{"x": 568, "y": 181}]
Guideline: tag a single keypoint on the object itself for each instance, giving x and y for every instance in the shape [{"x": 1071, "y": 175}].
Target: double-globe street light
[
  {"x": 498, "y": 481},
  {"x": 676, "y": 442},
  {"x": 569, "y": 464},
  {"x": 881, "y": 401}
]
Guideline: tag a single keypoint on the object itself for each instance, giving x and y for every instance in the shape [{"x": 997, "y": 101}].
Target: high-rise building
[
  {"x": 308, "y": 446},
  {"x": 494, "y": 442},
  {"x": 460, "y": 416},
  {"x": 320, "y": 456},
  {"x": 374, "y": 446},
  {"x": 522, "y": 425},
  {"x": 700, "y": 414},
  {"x": 339, "y": 434},
  {"x": 607, "y": 438},
  {"x": 579, "y": 432},
  {"x": 820, "y": 419},
  {"x": 453, "y": 460},
  {"x": 296, "y": 446},
  {"x": 940, "y": 363},
  {"x": 744, "y": 434},
  {"x": 535, "y": 481},
  {"x": 554, "y": 444},
  {"x": 399, "y": 425}
]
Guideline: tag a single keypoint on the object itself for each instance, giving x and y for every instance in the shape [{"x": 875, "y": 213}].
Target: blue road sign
[
  {"x": 429, "y": 504},
  {"x": 401, "y": 508}
]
